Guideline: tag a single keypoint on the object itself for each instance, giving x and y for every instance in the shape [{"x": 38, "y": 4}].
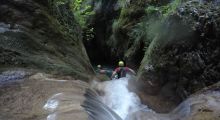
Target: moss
[
  {"x": 47, "y": 44},
  {"x": 164, "y": 10},
  {"x": 179, "y": 51}
]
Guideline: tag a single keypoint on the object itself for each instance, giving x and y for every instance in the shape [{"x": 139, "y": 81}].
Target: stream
[
  {"x": 127, "y": 105},
  {"x": 49, "y": 50},
  {"x": 119, "y": 98},
  {"x": 43, "y": 97}
]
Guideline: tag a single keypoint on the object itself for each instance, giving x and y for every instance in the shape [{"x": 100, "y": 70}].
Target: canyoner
[{"x": 122, "y": 71}]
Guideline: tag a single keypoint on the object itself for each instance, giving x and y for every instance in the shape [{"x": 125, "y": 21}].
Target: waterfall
[
  {"x": 116, "y": 102},
  {"x": 119, "y": 98},
  {"x": 82, "y": 103}
]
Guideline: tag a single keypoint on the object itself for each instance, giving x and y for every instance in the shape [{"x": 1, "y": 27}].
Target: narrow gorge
[{"x": 51, "y": 52}]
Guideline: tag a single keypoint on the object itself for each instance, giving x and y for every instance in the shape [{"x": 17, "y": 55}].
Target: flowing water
[
  {"x": 128, "y": 105},
  {"x": 120, "y": 99},
  {"x": 42, "y": 97},
  {"x": 116, "y": 98}
]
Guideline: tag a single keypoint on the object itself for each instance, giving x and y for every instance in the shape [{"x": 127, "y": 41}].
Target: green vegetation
[
  {"x": 82, "y": 11},
  {"x": 149, "y": 26},
  {"x": 139, "y": 32},
  {"x": 71, "y": 12},
  {"x": 157, "y": 36},
  {"x": 138, "y": 23},
  {"x": 124, "y": 3},
  {"x": 165, "y": 10}
]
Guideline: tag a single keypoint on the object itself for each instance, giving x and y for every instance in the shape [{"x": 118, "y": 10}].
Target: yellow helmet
[
  {"x": 99, "y": 66},
  {"x": 121, "y": 64}
]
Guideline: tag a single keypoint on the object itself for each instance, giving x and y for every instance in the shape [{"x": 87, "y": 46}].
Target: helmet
[
  {"x": 121, "y": 64},
  {"x": 99, "y": 66}
]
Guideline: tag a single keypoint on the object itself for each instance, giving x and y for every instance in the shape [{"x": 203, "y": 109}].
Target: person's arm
[
  {"x": 130, "y": 70},
  {"x": 113, "y": 74},
  {"x": 102, "y": 71}
]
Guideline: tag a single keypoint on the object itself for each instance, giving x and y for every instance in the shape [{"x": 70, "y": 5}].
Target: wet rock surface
[
  {"x": 101, "y": 22},
  {"x": 29, "y": 98},
  {"x": 41, "y": 96},
  {"x": 184, "y": 57},
  {"x": 202, "y": 106},
  {"x": 32, "y": 37},
  {"x": 8, "y": 77}
]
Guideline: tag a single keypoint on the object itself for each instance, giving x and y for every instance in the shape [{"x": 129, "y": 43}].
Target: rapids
[
  {"x": 119, "y": 98},
  {"x": 128, "y": 105},
  {"x": 43, "y": 97}
]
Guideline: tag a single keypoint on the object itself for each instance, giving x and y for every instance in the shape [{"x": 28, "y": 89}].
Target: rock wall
[
  {"x": 184, "y": 55},
  {"x": 106, "y": 11},
  {"x": 177, "y": 42},
  {"x": 33, "y": 35}
]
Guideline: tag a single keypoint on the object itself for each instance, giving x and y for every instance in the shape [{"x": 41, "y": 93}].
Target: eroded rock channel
[{"x": 48, "y": 50}]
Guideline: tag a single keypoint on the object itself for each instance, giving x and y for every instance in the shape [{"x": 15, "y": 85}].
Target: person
[
  {"x": 121, "y": 71},
  {"x": 100, "y": 70}
]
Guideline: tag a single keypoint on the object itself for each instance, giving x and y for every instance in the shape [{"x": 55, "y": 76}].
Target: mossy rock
[{"x": 31, "y": 37}]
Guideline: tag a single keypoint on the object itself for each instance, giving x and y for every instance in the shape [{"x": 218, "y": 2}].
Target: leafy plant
[
  {"x": 77, "y": 5},
  {"x": 82, "y": 11},
  {"x": 170, "y": 8},
  {"x": 163, "y": 10},
  {"x": 152, "y": 9}
]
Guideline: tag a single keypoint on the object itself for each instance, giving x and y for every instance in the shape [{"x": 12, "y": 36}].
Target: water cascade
[
  {"x": 119, "y": 98},
  {"x": 60, "y": 99},
  {"x": 128, "y": 105}
]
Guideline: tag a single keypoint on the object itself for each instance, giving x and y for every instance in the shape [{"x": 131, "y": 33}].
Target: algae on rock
[
  {"x": 184, "y": 57},
  {"x": 31, "y": 37}
]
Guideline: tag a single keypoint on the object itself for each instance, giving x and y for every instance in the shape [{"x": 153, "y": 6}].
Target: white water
[
  {"x": 120, "y": 99},
  {"x": 127, "y": 104},
  {"x": 52, "y": 103}
]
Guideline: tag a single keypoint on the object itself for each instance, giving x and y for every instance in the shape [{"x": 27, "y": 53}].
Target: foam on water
[
  {"x": 120, "y": 99},
  {"x": 51, "y": 117},
  {"x": 116, "y": 98},
  {"x": 52, "y": 103}
]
